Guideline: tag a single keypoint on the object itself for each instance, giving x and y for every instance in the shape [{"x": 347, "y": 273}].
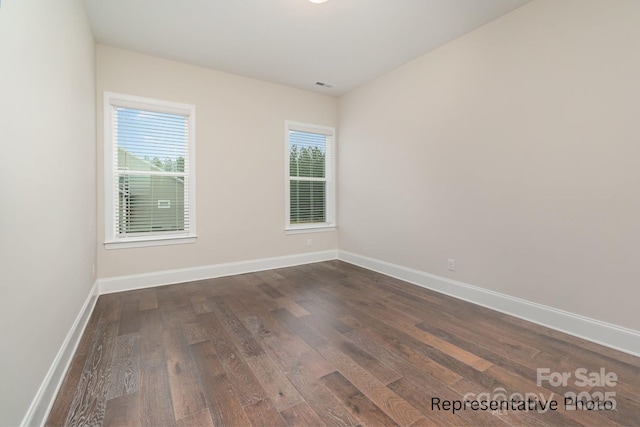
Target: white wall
[
  {"x": 47, "y": 196},
  {"x": 514, "y": 150},
  {"x": 240, "y": 161}
]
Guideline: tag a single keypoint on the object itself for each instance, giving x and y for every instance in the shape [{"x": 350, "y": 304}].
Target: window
[
  {"x": 149, "y": 172},
  {"x": 310, "y": 184}
]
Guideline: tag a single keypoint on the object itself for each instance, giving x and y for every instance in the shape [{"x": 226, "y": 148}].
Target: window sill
[
  {"x": 147, "y": 241},
  {"x": 310, "y": 229}
]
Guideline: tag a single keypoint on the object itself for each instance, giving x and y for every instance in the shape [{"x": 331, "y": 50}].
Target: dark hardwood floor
[{"x": 328, "y": 344}]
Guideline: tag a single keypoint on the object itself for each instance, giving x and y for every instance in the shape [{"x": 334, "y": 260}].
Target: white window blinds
[
  {"x": 151, "y": 191},
  {"x": 310, "y": 183}
]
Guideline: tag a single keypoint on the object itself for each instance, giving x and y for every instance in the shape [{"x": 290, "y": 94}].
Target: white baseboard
[
  {"x": 45, "y": 397},
  {"x": 169, "y": 277},
  {"x": 609, "y": 335},
  {"x": 617, "y": 337}
]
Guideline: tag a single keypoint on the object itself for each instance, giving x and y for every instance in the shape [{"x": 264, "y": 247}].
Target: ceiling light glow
[{"x": 317, "y": 1}]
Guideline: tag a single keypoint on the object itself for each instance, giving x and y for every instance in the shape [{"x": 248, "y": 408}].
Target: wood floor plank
[
  {"x": 449, "y": 369},
  {"x": 361, "y": 406},
  {"x": 322, "y": 311},
  {"x": 301, "y": 415},
  {"x": 177, "y": 310},
  {"x": 320, "y": 398},
  {"x": 86, "y": 342},
  {"x": 403, "y": 349},
  {"x": 372, "y": 365},
  {"x": 423, "y": 422},
  {"x": 151, "y": 338},
  {"x": 89, "y": 401},
  {"x": 277, "y": 387},
  {"x": 293, "y": 307},
  {"x": 275, "y": 384},
  {"x": 62, "y": 403},
  {"x": 454, "y": 351},
  {"x": 289, "y": 348},
  {"x": 515, "y": 382},
  {"x": 193, "y": 332},
  {"x": 201, "y": 419},
  {"x": 125, "y": 366},
  {"x": 123, "y": 411},
  {"x": 288, "y": 280},
  {"x": 393, "y": 405},
  {"x": 494, "y": 356},
  {"x": 263, "y": 414},
  {"x": 519, "y": 418},
  {"x": 223, "y": 404},
  {"x": 328, "y": 343},
  {"x": 186, "y": 392},
  {"x": 309, "y": 335},
  {"x": 516, "y": 350},
  {"x": 293, "y": 349},
  {"x": 201, "y": 304},
  {"x": 148, "y": 299},
  {"x": 528, "y": 371},
  {"x": 269, "y": 290},
  {"x": 129, "y": 317},
  {"x": 236, "y": 330},
  {"x": 359, "y": 296},
  {"x": 156, "y": 407},
  {"x": 247, "y": 387},
  {"x": 421, "y": 398},
  {"x": 112, "y": 307},
  {"x": 323, "y": 402},
  {"x": 393, "y": 360}
]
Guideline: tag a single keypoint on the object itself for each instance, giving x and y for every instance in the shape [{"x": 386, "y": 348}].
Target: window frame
[
  {"x": 330, "y": 174},
  {"x": 112, "y": 240}
]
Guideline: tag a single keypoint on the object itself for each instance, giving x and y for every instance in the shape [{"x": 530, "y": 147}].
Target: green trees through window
[
  {"x": 307, "y": 184},
  {"x": 168, "y": 164}
]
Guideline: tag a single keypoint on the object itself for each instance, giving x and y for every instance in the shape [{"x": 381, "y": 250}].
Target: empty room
[{"x": 320, "y": 212}]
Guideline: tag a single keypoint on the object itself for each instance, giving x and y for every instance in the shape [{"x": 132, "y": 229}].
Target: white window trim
[
  {"x": 311, "y": 229},
  {"x": 330, "y": 175},
  {"x": 111, "y": 241}
]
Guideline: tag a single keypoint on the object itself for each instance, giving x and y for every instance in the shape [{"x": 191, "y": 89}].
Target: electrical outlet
[
  {"x": 93, "y": 270},
  {"x": 451, "y": 264},
  {"x": 309, "y": 242}
]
